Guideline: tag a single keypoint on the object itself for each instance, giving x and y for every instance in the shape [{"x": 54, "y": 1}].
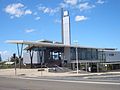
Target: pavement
[
  {"x": 36, "y": 73},
  {"x": 47, "y": 84},
  {"x": 32, "y": 79}
]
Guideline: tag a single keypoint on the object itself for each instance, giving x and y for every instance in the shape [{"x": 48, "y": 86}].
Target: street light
[{"x": 76, "y": 43}]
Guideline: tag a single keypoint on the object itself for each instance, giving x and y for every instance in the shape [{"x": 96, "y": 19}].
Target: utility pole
[{"x": 76, "y": 42}]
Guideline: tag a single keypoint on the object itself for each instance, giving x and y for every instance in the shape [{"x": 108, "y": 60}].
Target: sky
[{"x": 94, "y": 23}]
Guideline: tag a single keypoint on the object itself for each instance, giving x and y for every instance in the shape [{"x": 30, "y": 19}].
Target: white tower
[{"x": 66, "y": 39}]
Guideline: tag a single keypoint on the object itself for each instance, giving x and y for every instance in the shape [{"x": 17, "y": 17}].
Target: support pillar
[
  {"x": 73, "y": 66},
  {"x": 98, "y": 67},
  {"x": 86, "y": 66},
  {"x": 20, "y": 51},
  {"x": 67, "y": 56},
  {"x": 31, "y": 57},
  {"x": 41, "y": 59}
]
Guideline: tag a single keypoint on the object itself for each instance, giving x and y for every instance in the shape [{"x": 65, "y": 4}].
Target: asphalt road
[{"x": 46, "y": 84}]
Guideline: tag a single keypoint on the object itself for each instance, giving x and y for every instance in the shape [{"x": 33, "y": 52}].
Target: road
[{"x": 47, "y": 84}]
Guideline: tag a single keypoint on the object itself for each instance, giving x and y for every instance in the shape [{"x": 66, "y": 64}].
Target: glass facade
[
  {"x": 84, "y": 53},
  {"x": 102, "y": 56}
]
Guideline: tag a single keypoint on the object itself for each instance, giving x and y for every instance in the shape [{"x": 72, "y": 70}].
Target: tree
[{"x": 13, "y": 59}]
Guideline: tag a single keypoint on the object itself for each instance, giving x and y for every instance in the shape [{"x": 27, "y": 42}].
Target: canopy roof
[{"x": 48, "y": 44}]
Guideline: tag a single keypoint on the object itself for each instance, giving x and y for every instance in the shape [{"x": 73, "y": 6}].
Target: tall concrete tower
[{"x": 66, "y": 38}]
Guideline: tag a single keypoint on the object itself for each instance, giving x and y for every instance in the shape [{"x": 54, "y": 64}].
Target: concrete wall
[
  {"x": 26, "y": 58},
  {"x": 67, "y": 54},
  {"x": 112, "y": 56}
]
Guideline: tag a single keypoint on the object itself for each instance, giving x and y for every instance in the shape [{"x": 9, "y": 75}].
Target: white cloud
[
  {"x": 82, "y": 5},
  {"x": 63, "y": 5},
  {"x": 29, "y": 30},
  {"x": 14, "y": 9},
  {"x": 71, "y": 2},
  {"x": 17, "y": 10},
  {"x": 48, "y": 10},
  {"x": 100, "y": 1},
  {"x": 85, "y": 6},
  {"x": 37, "y": 18},
  {"x": 28, "y": 12},
  {"x": 80, "y": 18}
]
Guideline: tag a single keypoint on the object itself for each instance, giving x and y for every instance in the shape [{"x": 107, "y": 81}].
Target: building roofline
[{"x": 45, "y": 44}]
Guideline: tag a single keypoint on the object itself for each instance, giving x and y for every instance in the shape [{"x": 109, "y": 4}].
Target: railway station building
[{"x": 64, "y": 54}]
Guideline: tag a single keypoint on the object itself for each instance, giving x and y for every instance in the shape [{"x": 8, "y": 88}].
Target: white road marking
[{"x": 69, "y": 81}]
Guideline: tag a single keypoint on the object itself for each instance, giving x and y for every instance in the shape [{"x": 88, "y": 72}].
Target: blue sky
[{"x": 94, "y": 23}]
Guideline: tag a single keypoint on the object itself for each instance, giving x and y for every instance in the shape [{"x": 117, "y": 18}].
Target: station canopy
[{"x": 46, "y": 43}]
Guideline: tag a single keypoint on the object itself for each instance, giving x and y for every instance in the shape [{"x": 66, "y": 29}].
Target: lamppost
[{"x": 76, "y": 43}]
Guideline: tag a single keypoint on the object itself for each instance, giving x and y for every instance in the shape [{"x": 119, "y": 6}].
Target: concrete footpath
[{"x": 36, "y": 73}]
